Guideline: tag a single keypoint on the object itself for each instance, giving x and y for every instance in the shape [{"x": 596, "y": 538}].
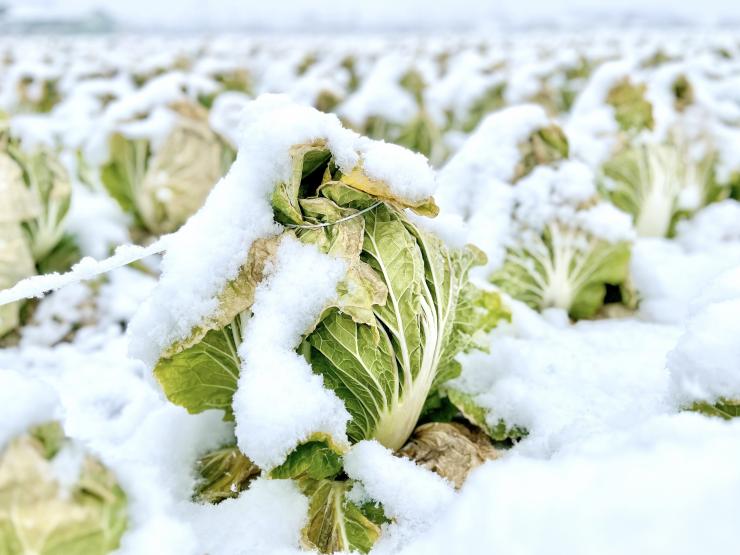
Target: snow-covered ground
[{"x": 609, "y": 465}]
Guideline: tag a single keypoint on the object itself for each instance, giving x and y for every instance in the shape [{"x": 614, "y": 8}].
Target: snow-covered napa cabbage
[
  {"x": 564, "y": 245},
  {"x": 45, "y": 201},
  {"x": 34, "y": 200},
  {"x": 335, "y": 315},
  {"x": 16, "y": 260},
  {"x": 506, "y": 147},
  {"x": 30, "y": 86},
  {"x": 57, "y": 499},
  {"x": 632, "y": 111},
  {"x": 475, "y": 191},
  {"x": 161, "y": 169},
  {"x": 391, "y": 105},
  {"x": 537, "y": 215},
  {"x": 659, "y": 184}
]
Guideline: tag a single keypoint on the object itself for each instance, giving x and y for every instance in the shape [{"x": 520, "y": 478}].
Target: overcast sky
[{"x": 374, "y": 13}]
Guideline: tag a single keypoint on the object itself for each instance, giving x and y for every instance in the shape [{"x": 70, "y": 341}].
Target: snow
[
  {"x": 25, "y": 402},
  {"x": 705, "y": 364},
  {"x": 66, "y": 466},
  {"x": 667, "y": 277},
  {"x": 591, "y": 119},
  {"x": 407, "y": 492},
  {"x": 408, "y": 173},
  {"x": 668, "y": 485},
  {"x": 715, "y": 225},
  {"x": 226, "y": 114},
  {"x": 411, "y": 495},
  {"x": 280, "y": 402},
  {"x": 565, "y": 382},
  {"x": 265, "y": 520},
  {"x": 57, "y": 315},
  {"x": 559, "y": 194},
  {"x": 85, "y": 269},
  {"x": 100, "y": 212},
  {"x": 492, "y": 151},
  {"x": 462, "y": 85},
  {"x": 381, "y": 95},
  {"x": 606, "y": 222}
]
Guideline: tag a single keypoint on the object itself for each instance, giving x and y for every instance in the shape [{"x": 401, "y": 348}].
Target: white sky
[{"x": 376, "y": 13}]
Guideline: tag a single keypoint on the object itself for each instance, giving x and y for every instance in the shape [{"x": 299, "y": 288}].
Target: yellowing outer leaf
[
  {"x": 359, "y": 291},
  {"x": 358, "y": 179},
  {"x": 222, "y": 474},
  {"x": 202, "y": 371},
  {"x": 449, "y": 449},
  {"x": 180, "y": 175},
  {"x": 362, "y": 287},
  {"x": 236, "y": 297},
  {"x": 306, "y": 160}
]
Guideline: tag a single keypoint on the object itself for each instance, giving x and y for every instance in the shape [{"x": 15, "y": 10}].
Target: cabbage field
[{"x": 452, "y": 294}]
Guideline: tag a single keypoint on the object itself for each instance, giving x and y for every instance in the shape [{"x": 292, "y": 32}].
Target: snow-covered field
[{"x": 450, "y": 295}]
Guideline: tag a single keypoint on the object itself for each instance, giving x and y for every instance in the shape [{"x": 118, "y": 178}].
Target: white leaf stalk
[
  {"x": 399, "y": 419},
  {"x": 667, "y": 181},
  {"x": 558, "y": 270}
]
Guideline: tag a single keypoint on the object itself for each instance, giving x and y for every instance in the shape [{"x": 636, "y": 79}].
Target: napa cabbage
[
  {"x": 41, "y": 515},
  {"x": 565, "y": 246},
  {"x": 35, "y": 196},
  {"x": 659, "y": 184},
  {"x": 632, "y": 111},
  {"x": 403, "y": 312},
  {"x": 162, "y": 187}
]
